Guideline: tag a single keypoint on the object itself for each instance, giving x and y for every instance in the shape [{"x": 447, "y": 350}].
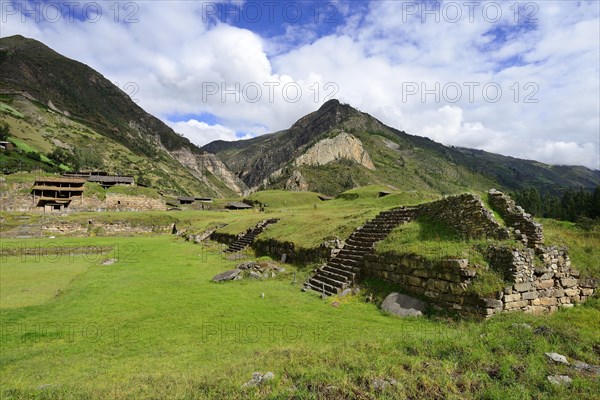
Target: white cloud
[
  {"x": 201, "y": 133},
  {"x": 172, "y": 55},
  {"x": 566, "y": 153}
]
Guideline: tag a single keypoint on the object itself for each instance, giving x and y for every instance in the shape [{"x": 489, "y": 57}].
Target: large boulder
[
  {"x": 226, "y": 276},
  {"x": 403, "y": 306}
]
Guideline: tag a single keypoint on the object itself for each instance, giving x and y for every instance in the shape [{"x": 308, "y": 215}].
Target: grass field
[{"x": 152, "y": 325}]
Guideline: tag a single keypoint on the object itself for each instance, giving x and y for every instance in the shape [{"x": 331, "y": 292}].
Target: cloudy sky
[{"x": 516, "y": 78}]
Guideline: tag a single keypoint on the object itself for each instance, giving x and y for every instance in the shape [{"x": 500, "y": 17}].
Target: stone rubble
[{"x": 259, "y": 379}]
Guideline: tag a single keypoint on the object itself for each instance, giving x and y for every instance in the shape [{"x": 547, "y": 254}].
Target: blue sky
[{"x": 529, "y": 72}]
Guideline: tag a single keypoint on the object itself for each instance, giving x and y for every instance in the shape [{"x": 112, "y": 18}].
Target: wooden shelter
[
  {"x": 236, "y": 205},
  {"x": 185, "y": 199},
  {"x": 56, "y": 193},
  {"x": 107, "y": 181}
]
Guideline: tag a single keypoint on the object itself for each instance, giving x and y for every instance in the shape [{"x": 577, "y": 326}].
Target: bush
[
  {"x": 585, "y": 223},
  {"x": 4, "y": 131}
]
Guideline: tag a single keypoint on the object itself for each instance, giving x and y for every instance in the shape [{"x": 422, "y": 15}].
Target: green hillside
[
  {"x": 53, "y": 104},
  {"x": 42, "y": 131},
  {"x": 404, "y": 161}
]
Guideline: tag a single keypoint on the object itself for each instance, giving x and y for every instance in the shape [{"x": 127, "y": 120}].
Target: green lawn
[
  {"x": 154, "y": 326},
  {"x": 584, "y": 246}
]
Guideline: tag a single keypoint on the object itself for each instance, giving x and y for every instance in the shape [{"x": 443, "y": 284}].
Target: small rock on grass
[
  {"x": 557, "y": 358},
  {"x": 258, "y": 379},
  {"x": 381, "y": 384},
  {"x": 255, "y": 275},
  {"x": 584, "y": 367},
  {"x": 227, "y": 275},
  {"x": 403, "y": 306},
  {"x": 560, "y": 380},
  {"x": 109, "y": 261},
  {"x": 522, "y": 326}
]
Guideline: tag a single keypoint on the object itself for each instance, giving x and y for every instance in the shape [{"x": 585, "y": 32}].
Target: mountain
[
  {"x": 338, "y": 147},
  {"x": 52, "y": 102},
  {"x": 61, "y": 113}
]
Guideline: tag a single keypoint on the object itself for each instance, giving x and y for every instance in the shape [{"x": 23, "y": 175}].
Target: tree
[
  {"x": 595, "y": 208},
  {"x": 4, "y": 131},
  {"x": 86, "y": 158},
  {"x": 61, "y": 156}
]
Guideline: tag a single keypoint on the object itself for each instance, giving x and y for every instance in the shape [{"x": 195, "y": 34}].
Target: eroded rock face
[
  {"x": 296, "y": 182},
  {"x": 343, "y": 146},
  {"x": 199, "y": 164}
]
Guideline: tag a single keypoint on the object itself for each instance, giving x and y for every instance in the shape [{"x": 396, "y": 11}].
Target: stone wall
[
  {"x": 445, "y": 283},
  {"x": 536, "y": 282},
  {"x": 123, "y": 202},
  {"x": 16, "y": 197},
  {"x": 466, "y": 214},
  {"x": 276, "y": 249},
  {"x": 293, "y": 253},
  {"x": 542, "y": 279},
  {"x": 117, "y": 228},
  {"x": 522, "y": 225}
]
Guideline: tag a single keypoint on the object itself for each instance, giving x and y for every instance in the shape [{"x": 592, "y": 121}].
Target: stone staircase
[
  {"x": 247, "y": 238},
  {"x": 344, "y": 269}
]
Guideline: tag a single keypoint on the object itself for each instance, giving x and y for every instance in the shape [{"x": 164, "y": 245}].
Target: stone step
[
  {"x": 392, "y": 217},
  {"x": 333, "y": 275},
  {"x": 346, "y": 250},
  {"x": 369, "y": 236},
  {"x": 387, "y": 222},
  {"x": 345, "y": 265},
  {"x": 331, "y": 281},
  {"x": 376, "y": 230},
  {"x": 388, "y": 214},
  {"x": 310, "y": 286},
  {"x": 350, "y": 275},
  {"x": 347, "y": 255},
  {"x": 360, "y": 248},
  {"x": 359, "y": 244},
  {"x": 323, "y": 286},
  {"x": 348, "y": 260}
]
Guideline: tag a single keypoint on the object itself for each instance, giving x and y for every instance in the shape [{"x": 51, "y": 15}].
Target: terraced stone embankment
[
  {"x": 248, "y": 237},
  {"x": 345, "y": 268}
]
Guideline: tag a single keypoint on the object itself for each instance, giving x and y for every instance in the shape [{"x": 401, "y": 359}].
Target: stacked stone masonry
[
  {"x": 540, "y": 278},
  {"x": 247, "y": 238},
  {"x": 541, "y": 282},
  {"x": 522, "y": 225},
  {"x": 466, "y": 214}
]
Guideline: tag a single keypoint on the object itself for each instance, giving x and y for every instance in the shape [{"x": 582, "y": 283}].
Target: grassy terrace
[
  {"x": 154, "y": 326},
  {"x": 305, "y": 220},
  {"x": 435, "y": 241},
  {"x": 584, "y": 246}
]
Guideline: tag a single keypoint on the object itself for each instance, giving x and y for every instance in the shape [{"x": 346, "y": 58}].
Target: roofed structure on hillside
[
  {"x": 56, "y": 193},
  {"x": 204, "y": 199},
  {"x": 107, "y": 181},
  {"x": 323, "y": 197},
  {"x": 236, "y": 205},
  {"x": 185, "y": 199},
  {"x": 85, "y": 174},
  {"x": 384, "y": 193},
  {"x": 6, "y": 145},
  {"x": 102, "y": 178}
]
